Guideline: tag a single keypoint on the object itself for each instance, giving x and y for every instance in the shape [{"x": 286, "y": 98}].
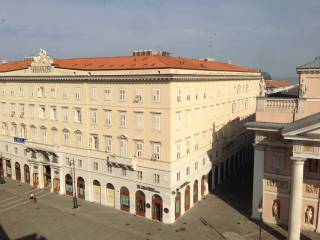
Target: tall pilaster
[
  {"x": 41, "y": 176},
  {"x": 258, "y": 169},
  {"x": 296, "y": 198}
]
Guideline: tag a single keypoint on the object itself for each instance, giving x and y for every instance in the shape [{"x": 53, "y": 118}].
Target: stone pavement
[{"x": 218, "y": 216}]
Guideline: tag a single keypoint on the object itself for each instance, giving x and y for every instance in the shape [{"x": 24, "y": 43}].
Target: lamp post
[{"x": 73, "y": 173}]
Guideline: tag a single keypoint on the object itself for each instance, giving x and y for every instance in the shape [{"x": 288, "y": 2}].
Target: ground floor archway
[
  {"x": 157, "y": 207},
  {"x": 69, "y": 185},
  {"x": 8, "y": 169},
  {"x": 26, "y": 174},
  {"x": 203, "y": 185},
  {"x": 110, "y": 195},
  {"x": 18, "y": 171},
  {"x": 81, "y": 188},
  {"x": 187, "y": 198},
  {"x": 195, "y": 191},
  {"x": 177, "y": 203},
  {"x": 140, "y": 203},
  {"x": 124, "y": 199},
  {"x": 96, "y": 191}
]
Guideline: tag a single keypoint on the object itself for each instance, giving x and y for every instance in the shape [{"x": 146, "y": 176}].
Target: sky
[{"x": 273, "y": 35}]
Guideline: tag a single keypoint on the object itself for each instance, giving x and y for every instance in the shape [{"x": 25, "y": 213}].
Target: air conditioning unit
[{"x": 179, "y": 98}]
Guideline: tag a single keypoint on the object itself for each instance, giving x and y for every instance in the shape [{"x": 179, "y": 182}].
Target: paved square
[{"x": 223, "y": 215}]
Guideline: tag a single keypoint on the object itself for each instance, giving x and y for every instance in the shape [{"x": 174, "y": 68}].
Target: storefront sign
[
  {"x": 147, "y": 188},
  {"x": 19, "y": 140}
]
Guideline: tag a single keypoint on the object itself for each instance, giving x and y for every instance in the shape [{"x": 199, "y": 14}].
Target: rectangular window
[
  {"x": 108, "y": 140},
  {"x": 139, "y": 120},
  {"x": 53, "y": 114},
  {"x": 139, "y": 149},
  {"x": 123, "y": 95},
  {"x": 44, "y": 135},
  {"x": 178, "y": 149},
  {"x": 94, "y": 118},
  {"x": 138, "y": 95},
  {"x": 65, "y": 93},
  {"x": 21, "y": 91},
  {"x": 32, "y": 111},
  {"x": 42, "y": 112},
  {"x": 53, "y": 92},
  {"x": 31, "y": 92},
  {"x": 156, "y": 178},
  {"x": 123, "y": 119},
  {"x": 188, "y": 144},
  {"x": 278, "y": 160},
  {"x": 21, "y": 110},
  {"x": 155, "y": 151},
  {"x": 4, "y": 108},
  {"x": 94, "y": 142},
  {"x": 178, "y": 120},
  {"x": 179, "y": 95},
  {"x": 41, "y": 92},
  {"x": 196, "y": 166},
  {"x": 108, "y": 115},
  {"x": 188, "y": 171},
  {"x": 188, "y": 94},
  {"x": 123, "y": 147},
  {"x": 95, "y": 166},
  {"x": 139, "y": 175},
  {"x": 79, "y": 163},
  {"x": 109, "y": 169},
  {"x": 108, "y": 94},
  {"x": 77, "y": 93},
  {"x": 54, "y": 137},
  {"x": 77, "y": 115},
  {"x": 178, "y": 176},
  {"x": 156, "y": 121},
  {"x": 156, "y": 95},
  {"x": 66, "y": 137},
  {"x": 65, "y": 114},
  {"x": 78, "y": 136},
  {"x": 93, "y": 93},
  {"x": 124, "y": 172},
  {"x": 14, "y": 130},
  {"x": 13, "y": 110}
]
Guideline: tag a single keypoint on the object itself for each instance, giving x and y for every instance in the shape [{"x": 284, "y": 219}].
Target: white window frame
[
  {"x": 156, "y": 122},
  {"x": 123, "y": 119},
  {"x": 122, "y": 95},
  {"x": 139, "y": 120},
  {"x": 156, "y": 95},
  {"x": 108, "y": 144},
  {"x": 123, "y": 147},
  {"x": 107, "y": 94},
  {"x": 139, "y": 148}
]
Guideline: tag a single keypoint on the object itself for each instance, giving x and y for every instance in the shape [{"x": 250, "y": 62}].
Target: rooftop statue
[{"x": 43, "y": 58}]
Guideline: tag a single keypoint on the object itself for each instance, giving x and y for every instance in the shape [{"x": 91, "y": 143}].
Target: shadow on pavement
[
  {"x": 34, "y": 236},
  {"x": 237, "y": 193}
]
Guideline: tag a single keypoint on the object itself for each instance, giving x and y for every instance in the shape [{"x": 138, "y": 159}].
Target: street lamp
[
  {"x": 260, "y": 221},
  {"x": 73, "y": 173}
]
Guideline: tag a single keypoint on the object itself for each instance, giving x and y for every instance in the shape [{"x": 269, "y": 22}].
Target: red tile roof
[
  {"x": 131, "y": 63},
  {"x": 278, "y": 83}
]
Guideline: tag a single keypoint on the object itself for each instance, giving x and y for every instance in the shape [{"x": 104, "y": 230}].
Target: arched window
[
  {"x": 96, "y": 191},
  {"x": 110, "y": 195},
  {"x": 81, "y": 187},
  {"x": 124, "y": 199},
  {"x": 195, "y": 191},
  {"x": 140, "y": 203},
  {"x": 69, "y": 185},
  {"x": 18, "y": 171},
  {"x": 157, "y": 207}
]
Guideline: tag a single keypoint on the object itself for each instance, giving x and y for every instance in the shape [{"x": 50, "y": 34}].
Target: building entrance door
[
  {"x": 157, "y": 208},
  {"x": 35, "y": 179},
  {"x": 56, "y": 184},
  {"x": 140, "y": 204},
  {"x": 47, "y": 175},
  {"x": 26, "y": 174}
]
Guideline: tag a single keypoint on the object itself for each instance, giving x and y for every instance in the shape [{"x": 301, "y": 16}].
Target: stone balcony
[
  {"x": 277, "y": 110},
  {"x": 129, "y": 163}
]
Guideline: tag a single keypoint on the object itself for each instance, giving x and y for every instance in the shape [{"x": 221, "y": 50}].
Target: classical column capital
[{"x": 298, "y": 160}]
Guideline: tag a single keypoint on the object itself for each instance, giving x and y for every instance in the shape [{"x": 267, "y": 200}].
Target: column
[
  {"x": 296, "y": 198},
  {"x": 41, "y": 176},
  {"x": 31, "y": 174},
  {"x": 4, "y": 166},
  {"x": 62, "y": 182},
  {"x": 52, "y": 178},
  {"x": 257, "y": 191}
]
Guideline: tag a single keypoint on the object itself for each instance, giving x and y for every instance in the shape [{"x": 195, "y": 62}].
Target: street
[{"x": 222, "y": 215}]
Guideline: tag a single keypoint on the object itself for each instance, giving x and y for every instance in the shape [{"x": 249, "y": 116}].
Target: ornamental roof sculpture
[{"x": 43, "y": 58}]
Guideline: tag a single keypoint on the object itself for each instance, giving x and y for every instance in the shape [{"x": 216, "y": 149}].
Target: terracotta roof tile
[
  {"x": 131, "y": 63},
  {"x": 278, "y": 83}
]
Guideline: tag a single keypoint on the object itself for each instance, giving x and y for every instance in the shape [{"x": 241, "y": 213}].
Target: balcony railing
[
  {"x": 281, "y": 105},
  {"x": 122, "y": 162}
]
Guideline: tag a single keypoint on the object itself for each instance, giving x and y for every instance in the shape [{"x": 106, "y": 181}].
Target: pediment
[{"x": 312, "y": 131}]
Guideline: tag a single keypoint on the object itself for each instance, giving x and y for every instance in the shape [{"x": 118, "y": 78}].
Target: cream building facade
[{"x": 138, "y": 133}]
